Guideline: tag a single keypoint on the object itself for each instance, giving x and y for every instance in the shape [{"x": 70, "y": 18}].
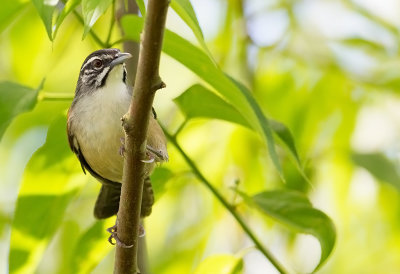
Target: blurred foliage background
[{"x": 329, "y": 70}]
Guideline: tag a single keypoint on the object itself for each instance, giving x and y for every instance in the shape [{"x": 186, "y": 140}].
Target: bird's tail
[{"x": 107, "y": 203}]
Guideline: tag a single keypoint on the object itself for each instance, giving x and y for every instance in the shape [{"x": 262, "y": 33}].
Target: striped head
[{"x": 97, "y": 67}]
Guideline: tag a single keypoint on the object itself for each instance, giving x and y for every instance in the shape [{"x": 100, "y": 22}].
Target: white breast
[{"x": 98, "y": 129}]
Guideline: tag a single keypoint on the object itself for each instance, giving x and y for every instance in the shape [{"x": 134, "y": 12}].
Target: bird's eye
[{"x": 97, "y": 63}]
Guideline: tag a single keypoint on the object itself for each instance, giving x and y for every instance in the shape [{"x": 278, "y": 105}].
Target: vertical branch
[
  {"x": 135, "y": 124},
  {"x": 130, "y": 46},
  {"x": 133, "y": 48}
]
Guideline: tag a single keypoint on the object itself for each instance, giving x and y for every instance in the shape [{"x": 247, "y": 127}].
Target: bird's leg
[
  {"x": 113, "y": 231},
  {"x": 153, "y": 155},
  {"x": 147, "y": 198},
  {"x": 122, "y": 147}
]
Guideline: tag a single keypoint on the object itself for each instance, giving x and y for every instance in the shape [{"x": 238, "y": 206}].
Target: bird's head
[{"x": 102, "y": 66}]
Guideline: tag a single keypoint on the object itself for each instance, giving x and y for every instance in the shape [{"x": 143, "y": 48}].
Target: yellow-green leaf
[
  {"x": 14, "y": 100},
  {"x": 294, "y": 210},
  {"x": 49, "y": 183},
  {"x": 220, "y": 264},
  {"x": 92, "y": 10},
  {"x": 46, "y": 9}
]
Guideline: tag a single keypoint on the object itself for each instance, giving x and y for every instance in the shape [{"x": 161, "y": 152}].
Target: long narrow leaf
[
  {"x": 200, "y": 63},
  {"x": 185, "y": 10},
  {"x": 92, "y": 10},
  {"x": 46, "y": 9}
]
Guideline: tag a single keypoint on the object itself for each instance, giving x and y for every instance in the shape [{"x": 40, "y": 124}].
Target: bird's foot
[
  {"x": 151, "y": 156},
  {"x": 113, "y": 231},
  {"x": 141, "y": 231},
  {"x": 149, "y": 160},
  {"x": 122, "y": 147}
]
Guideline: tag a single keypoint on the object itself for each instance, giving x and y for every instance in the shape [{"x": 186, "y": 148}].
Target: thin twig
[
  {"x": 55, "y": 96},
  {"x": 135, "y": 124},
  {"x": 225, "y": 203},
  {"x": 112, "y": 22}
]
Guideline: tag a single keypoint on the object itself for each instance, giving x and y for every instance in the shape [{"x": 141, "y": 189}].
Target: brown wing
[{"x": 74, "y": 145}]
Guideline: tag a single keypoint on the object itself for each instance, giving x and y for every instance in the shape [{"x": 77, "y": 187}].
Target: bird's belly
[
  {"x": 101, "y": 151},
  {"x": 98, "y": 130}
]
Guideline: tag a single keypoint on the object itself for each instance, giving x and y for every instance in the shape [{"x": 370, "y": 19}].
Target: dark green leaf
[
  {"x": 46, "y": 10},
  {"x": 49, "y": 183},
  {"x": 15, "y": 99},
  {"x": 379, "y": 166},
  {"x": 295, "y": 210},
  {"x": 69, "y": 6},
  {"x": 201, "y": 64},
  {"x": 92, "y": 10},
  {"x": 286, "y": 136},
  {"x": 198, "y": 101}
]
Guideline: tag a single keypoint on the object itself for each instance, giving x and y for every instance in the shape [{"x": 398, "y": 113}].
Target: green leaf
[
  {"x": 46, "y": 10},
  {"x": 49, "y": 183},
  {"x": 69, "y": 6},
  {"x": 379, "y": 166},
  {"x": 286, "y": 136},
  {"x": 295, "y": 210},
  {"x": 359, "y": 42},
  {"x": 201, "y": 64},
  {"x": 91, "y": 248},
  {"x": 185, "y": 10},
  {"x": 159, "y": 178},
  {"x": 220, "y": 264},
  {"x": 14, "y": 100},
  {"x": 198, "y": 101},
  {"x": 9, "y": 11},
  {"x": 141, "y": 6},
  {"x": 92, "y": 10}
]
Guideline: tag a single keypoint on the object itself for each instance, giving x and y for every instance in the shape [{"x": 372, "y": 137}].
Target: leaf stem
[
  {"x": 225, "y": 203},
  {"x": 111, "y": 24}
]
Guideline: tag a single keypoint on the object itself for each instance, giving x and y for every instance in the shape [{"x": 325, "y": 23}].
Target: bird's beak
[{"x": 120, "y": 59}]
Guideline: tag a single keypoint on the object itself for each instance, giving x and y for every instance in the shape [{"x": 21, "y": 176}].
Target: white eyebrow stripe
[{"x": 88, "y": 61}]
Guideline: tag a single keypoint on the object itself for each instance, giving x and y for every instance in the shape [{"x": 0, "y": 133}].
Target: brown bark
[{"x": 135, "y": 124}]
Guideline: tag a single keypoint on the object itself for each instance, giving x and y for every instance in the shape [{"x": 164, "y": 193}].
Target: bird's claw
[
  {"x": 122, "y": 147},
  {"x": 149, "y": 161},
  {"x": 113, "y": 231},
  {"x": 141, "y": 231}
]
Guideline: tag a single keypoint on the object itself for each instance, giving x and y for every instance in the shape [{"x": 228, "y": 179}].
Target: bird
[{"x": 95, "y": 135}]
